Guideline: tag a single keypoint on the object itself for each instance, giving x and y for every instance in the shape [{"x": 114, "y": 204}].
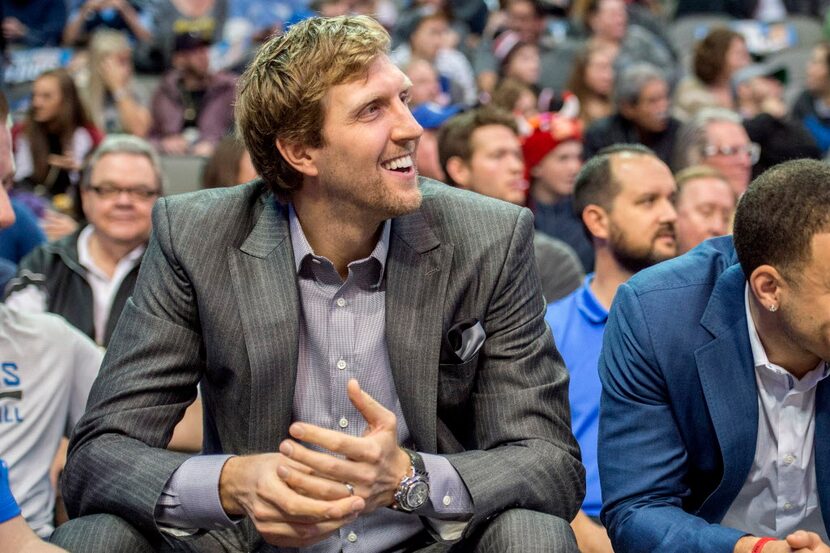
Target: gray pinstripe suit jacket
[{"x": 216, "y": 301}]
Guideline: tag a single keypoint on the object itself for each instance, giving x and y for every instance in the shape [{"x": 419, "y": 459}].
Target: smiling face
[
  {"x": 47, "y": 100},
  {"x": 366, "y": 166},
  {"x": 557, "y": 171},
  {"x": 121, "y": 217},
  {"x": 805, "y": 303}
]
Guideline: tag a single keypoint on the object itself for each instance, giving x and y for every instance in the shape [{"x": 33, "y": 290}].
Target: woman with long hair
[
  {"x": 716, "y": 58},
  {"x": 592, "y": 82},
  {"x": 50, "y": 146},
  {"x": 57, "y": 134},
  {"x": 108, "y": 90}
]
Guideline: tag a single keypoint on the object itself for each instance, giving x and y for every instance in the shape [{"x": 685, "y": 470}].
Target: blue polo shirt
[{"x": 577, "y": 322}]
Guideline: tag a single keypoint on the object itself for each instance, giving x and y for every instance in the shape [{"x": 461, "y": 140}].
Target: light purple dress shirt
[{"x": 342, "y": 336}]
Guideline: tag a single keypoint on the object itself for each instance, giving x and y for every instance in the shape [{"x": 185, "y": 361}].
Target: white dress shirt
[
  {"x": 103, "y": 287},
  {"x": 33, "y": 299},
  {"x": 779, "y": 495}
]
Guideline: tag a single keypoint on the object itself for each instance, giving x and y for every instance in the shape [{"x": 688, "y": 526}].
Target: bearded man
[{"x": 625, "y": 195}]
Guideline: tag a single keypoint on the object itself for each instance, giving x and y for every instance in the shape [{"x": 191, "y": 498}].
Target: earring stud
[{"x": 773, "y": 308}]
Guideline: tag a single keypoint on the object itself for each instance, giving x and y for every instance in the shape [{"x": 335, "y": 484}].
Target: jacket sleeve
[
  {"x": 28, "y": 290},
  {"x": 643, "y": 461},
  {"x": 526, "y": 454},
  {"x": 117, "y": 462}
]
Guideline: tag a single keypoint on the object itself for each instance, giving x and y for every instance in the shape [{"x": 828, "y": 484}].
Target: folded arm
[{"x": 643, "y": 459}]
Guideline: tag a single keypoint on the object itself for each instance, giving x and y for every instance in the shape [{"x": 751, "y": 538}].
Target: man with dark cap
[{"x": 192, "y": 107}]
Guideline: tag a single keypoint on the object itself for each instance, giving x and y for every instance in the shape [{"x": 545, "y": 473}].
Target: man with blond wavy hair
[{"x": 375, "y": 369}]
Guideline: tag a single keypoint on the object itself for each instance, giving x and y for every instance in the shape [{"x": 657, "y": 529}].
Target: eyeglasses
[
  {"x": 752, "y": 149},
  {"x": 107, "y": 192}
]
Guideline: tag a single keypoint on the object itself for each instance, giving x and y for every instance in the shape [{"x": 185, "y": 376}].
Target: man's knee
[
  {"x": 101, "y": 533},
  {"x": 528, "y": 532}
]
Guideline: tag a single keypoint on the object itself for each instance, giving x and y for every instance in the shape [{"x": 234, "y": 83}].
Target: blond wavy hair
[
  {"x": 103, "y": 44},
  {"x": 281, "y": 94}
]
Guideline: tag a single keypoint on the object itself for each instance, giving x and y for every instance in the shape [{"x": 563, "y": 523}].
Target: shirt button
[
  {"x": 446, "y": 501},
  {"x": 789, "y": 460},
  {"x": 788, "y": 506},
  {"x": 341, "y": 302},
  {"x": 352, "y": 537},
  {"x": 341, "y": 365},
  {"x": 343, "y": 422}
]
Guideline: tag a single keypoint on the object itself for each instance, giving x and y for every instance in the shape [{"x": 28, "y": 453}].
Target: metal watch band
[
  {"x": 413, "y": 490},
  {"x": 418, "y": 466}
]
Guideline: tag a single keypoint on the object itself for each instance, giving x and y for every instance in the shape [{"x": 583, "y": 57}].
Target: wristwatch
[{"x": 413, "y": 491}]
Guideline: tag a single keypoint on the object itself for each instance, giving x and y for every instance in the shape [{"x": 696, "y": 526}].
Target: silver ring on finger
[{"x": 349, "y": 487}]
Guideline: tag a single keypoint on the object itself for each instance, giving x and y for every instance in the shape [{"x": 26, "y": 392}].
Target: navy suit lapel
[
  {"x": 727, "y": 376},
  {"x": 822, "y": 449},
  {"x": 264, "y": 282},
  {"x": 417, "y": 270}
]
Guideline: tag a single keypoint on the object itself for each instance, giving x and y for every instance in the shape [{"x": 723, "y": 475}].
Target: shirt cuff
[
  {"x": 450, "y": 502},
  {"x": 190, "y": 500}
]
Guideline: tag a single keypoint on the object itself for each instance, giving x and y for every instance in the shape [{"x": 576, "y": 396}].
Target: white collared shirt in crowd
[{"x": 33, "y": 299}]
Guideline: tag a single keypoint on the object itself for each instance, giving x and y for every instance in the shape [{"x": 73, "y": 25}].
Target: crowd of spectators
[{"x": 516, "y": 100}]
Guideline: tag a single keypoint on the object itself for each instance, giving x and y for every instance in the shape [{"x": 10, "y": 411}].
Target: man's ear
[
  {"x": 768, "y": 286},
  {"x": 595, "y": 219},
  {"x": 299, "y": 156},
  {"x": 459, "y": 171}
]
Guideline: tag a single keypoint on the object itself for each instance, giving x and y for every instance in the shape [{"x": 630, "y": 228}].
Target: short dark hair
[
  {"x": 538, "y": 7},
  {"x": 778, "y": 215},
  {"x": 454, "y": 136},
  {"x": 596, "y": 184}
]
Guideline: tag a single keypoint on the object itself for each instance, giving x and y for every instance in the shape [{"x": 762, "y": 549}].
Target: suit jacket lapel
[
  {"x": 417, "y": 270},
  {"x": 822, "y": 449},
  {"x": 727, "y": 376},
  {"x": 264, "y": 282}
]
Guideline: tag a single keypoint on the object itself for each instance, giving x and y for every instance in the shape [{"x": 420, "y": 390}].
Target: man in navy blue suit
[{"x": 715, "y": 405}]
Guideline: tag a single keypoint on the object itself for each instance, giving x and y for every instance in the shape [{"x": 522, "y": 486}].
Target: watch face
[{"x": 417, "y": 494}]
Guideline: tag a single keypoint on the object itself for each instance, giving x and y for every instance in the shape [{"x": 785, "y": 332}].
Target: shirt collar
[
  {"x": 764, "y": 366},
  {"x": 86, "y": 260},
  {"x": 302, "y": 249},
  {"x": 588, "y": 304}
]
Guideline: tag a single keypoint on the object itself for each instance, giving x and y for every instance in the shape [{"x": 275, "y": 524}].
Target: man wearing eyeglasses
[
  {"x": 717, "y": 138},
  {"x": 88, "y": 276}
]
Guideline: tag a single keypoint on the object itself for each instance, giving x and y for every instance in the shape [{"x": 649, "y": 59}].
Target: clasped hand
[
  {"x": 799, "y": 541},
  {"x": 298, "y": 496}
]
